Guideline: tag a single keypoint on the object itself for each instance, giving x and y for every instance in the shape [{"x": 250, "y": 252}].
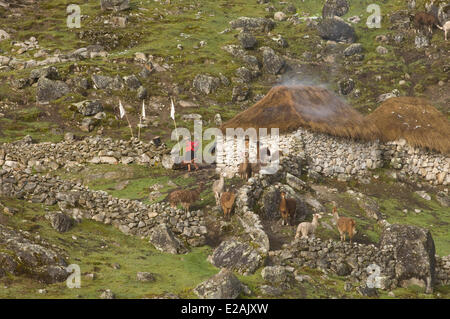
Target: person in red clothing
[{"x": 190, "y": 153}]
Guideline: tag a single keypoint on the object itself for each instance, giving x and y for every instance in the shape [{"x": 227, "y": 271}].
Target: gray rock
[
  {"x": 271, "y": 291},
  {"x": 145, "y": 277},
  {"x": 295, "y": 182},
  {"x": 116, "y": 5},
  {"x": 60, "y": 221},
  {"x": 88, "y": 108},
  {"x": 365, "y": 291},
  {"x": 414, "y": 252},
  {"x": 272, "y": 63},
  {"x": 206, "y": 84},
  {"x": 101, "y": 82},
  {"x": 48, "y": 90},
  {"x": 336, "y": 29},
  {"x": 248, "y": 41},
  {"x": 237, "y": 256},
  {"x": 443, "y": 198},
  {"x": 253, "y": 24},
  {"x": 223, "y": 285},
  {"x": 335, "y": 8},
  {"x": 132, "y": 82},
  {"x": 49, "y": 72},
  {"x": 353, "y": 48},
  {"x": 165, "y": 240},
  {"x": 107, "y": 294},
  {"x": 244, "y": 75},
  {"x": 277, "y": 274},
  {"x": 88, "y": 124},
  {"x": 20, "y": 255},
  {"x": 346, "y": 86},
  {"x": 142, "y": 93},
  {"x": 343, "y": 269},
  {"x": 240, "y": 93}
]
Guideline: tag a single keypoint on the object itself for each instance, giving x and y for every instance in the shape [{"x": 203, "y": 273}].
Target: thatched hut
[
  {"x": 413, "y": 119},
  {"x": 314, "y": 108}
]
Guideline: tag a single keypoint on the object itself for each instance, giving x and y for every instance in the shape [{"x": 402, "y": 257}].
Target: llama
[
  {"x": 287, "y": 208},
  {"x": 185, "y": 197},
  {"x": 445, "y": 28},
  {"x": 423, "y": 19},
  {"x": 245, "y": 169},
  {"x": 227, "y": 200},
  {"x": 218, "y": 187},
  {"x": 344, "y": 225},
  {"x": 306, "y": 228}
]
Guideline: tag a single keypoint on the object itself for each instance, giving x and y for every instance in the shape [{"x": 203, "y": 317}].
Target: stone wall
[
  {"x": 343, "y": 158},
  {"x": 129, "y": 216},
  {"x": 414, "y": 162},
  {"x": 49, "y": 156}
]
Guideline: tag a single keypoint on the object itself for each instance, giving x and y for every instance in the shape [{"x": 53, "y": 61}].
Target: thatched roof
[
  {"x": 414, "y": 120},
  {"x": 315, "y": 108}
]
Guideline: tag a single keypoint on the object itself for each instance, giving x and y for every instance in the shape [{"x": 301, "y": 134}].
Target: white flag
[
  {"x": 143, "y": 110},
  {"x": 121, "y": 109},
  {"x": 172, "y": 110}
]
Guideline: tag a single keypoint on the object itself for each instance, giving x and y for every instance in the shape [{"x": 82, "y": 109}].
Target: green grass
[{"x": 99, "y": 246}]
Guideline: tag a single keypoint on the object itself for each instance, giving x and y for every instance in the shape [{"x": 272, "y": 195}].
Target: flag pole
[
  {"x": 140, "y": 120},
  {"x": 121, "y": 109},
  {"x": 129, "y": 124},
  {"x": 175, "y": 123}
]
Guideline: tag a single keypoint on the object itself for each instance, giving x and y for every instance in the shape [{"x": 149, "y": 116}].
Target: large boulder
[
  {"x": 22, "y": 255},
  {"x": 48, "y": 72},
  {"x": 253, "y": 24},
  {"x": 414, "y": 253},
  {"x": 88, "y": 108},
  {"x": 116, "y": 5},
  {"x": 237, "y": 256},
  {"x": 223, "y": 285},
  {"x": 165, "y": 240},
  {"x": 272, "y": 62},
  {"x": 102, "y": 82},
  {"x": 248, "y": 41},
  {"x": 336, "y": 29},
  {"x": 48, "y": 90},
  {"x": 206, "y": 84},
  {"x": 60, "y": 221},
  {"x": 335, "y": 8}
]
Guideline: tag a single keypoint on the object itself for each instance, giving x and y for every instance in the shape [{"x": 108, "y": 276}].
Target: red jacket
[{"x": 191, "y": 146}]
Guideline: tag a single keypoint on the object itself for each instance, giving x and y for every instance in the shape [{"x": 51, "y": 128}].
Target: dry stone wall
[
  {"x": 343, "y": 158},
  {"x": 49, "y": 156},
  {"x": 129, "y": 216}
]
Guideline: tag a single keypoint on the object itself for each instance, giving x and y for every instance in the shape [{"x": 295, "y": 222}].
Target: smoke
[{"x": 328, "y": 108}]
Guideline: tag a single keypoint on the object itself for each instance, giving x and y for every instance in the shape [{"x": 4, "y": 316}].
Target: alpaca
[
  {"x": 185, "y": 197},
  {"x": 287, "y": 208},
  {"x": 218, "y": 188},
  {"x": 445, "y": 28},
  {"x": 345, "y": 225},
  {"x": 306, "y": 228},
  {"x": 227, "y": 200}
]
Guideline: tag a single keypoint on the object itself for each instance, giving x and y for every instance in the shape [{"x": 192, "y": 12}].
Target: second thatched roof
[{"x": 413, "y": 119}]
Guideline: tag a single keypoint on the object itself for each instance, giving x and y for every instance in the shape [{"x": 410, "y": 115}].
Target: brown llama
[
  {"x": 287, "y": 209},
  {"x": 344, "y": 225},
  {"x": 226, "y": 201}
]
